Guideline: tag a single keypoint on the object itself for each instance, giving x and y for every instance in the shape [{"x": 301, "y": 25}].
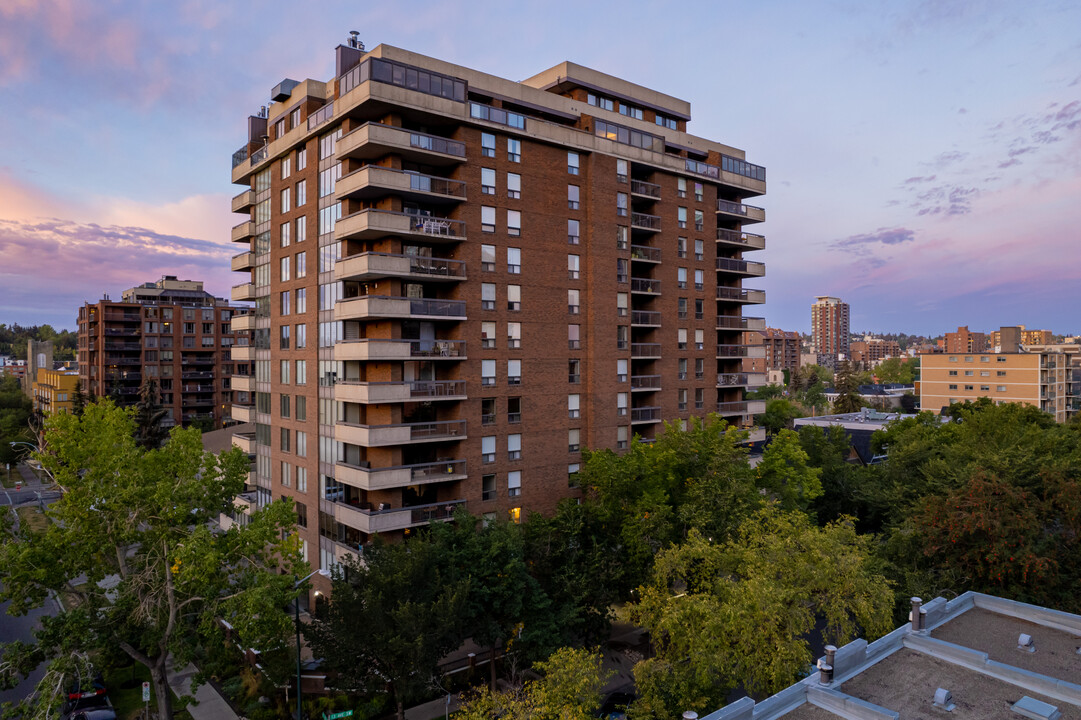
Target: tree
[
  {"x": 569, "y": 689},
  {"x": 898, "y": 370},
  {"x": 742, "y": 612},
  {"x": 79, "y": 398},
  {"x": 391, "y": 619},
  {"x": 780, "y": 412},
  {"x": 15, "y": 410},
  {"x": 766, "y": 392},
  {"x": 149, "y": 431},
  {"x": 133, "y": 539},
  {"x": 848, "y": 395},
  {"x": 784, "y": 472}
]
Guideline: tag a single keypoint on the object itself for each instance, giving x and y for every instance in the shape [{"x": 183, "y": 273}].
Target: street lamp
[{"x": 296, "y": 606}]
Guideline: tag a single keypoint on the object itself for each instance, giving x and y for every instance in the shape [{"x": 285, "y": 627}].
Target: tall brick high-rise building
[
  {"x": 462, "y": 281},
  {"x": 170, "y": 330},
  {"x": 829, "y": 326},
  {"x": 966, "y": 341}
]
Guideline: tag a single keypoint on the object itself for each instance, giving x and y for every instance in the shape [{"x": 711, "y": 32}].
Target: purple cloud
[{"x": 863, "y": 243}]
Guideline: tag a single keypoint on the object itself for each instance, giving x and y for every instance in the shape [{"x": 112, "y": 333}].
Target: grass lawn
[
  {"x": 31, "y": 517},
  {"x": 129, "y": 701}
]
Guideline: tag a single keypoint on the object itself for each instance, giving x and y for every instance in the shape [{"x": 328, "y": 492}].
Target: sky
[{"x": 923, "y": 158}]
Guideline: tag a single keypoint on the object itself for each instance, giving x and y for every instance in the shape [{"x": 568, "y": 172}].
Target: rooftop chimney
[{"x": 942, "y": 700}]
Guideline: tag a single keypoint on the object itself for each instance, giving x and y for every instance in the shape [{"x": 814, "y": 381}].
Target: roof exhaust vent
[
  {"x": 942, "y": 700},
  {"x": 918, "y": 616},
  {"x": 354, "y": 40},
  {"x": 1024, "y": 642},
  {"x": 690, "y": 715},
  {"x": 1032, "y": 708}
]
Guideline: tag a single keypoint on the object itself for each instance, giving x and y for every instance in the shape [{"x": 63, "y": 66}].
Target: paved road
[{"x": 20, "y": 628}]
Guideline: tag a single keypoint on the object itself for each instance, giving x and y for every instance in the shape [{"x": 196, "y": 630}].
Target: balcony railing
[
  {"x": 240, "y": 155},
  {"x": 391, "y": 221},
  {"x": 398, "y": 391},
  {"x": 740, "y": 379},
  {"x": 646, "y": 350},
  {"x": 735, "y": 351},
  {"x": 392, "y": 178},
  {"x": 742, "y": 407},
  {"x": 645, "y": 222},
  {"x": 750, "y": 240},
  {"x": 746, "y": 295},
  {"x": 645, "y": 317},
  {"x": 645, "y": 285},
  {"x": 741, "y": 266},
  {"x": 735, "y": 208},
  {"x": 641, "y": 187},
  {"x": 385, "y": 305},
  {"x": 321, "y": 116},
  {"x": 411, "y": 348},
  {"x": 645, "y": 414},
  {"x": 645, "y": 382},
  {"x": 728, "y": 322},
  {"x": 644, "y": 252}
]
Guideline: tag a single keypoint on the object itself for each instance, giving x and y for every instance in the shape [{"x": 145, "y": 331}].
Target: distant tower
[
  {"x": 829, "y": 324},
  {"x": 39, "y": 354}
]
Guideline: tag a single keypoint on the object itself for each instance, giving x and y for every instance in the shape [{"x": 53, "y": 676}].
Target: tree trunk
[
  {"x": 491, "y": 666},
  {"x": 161, "y": 689},
  {"x": 401, "y": 710}
]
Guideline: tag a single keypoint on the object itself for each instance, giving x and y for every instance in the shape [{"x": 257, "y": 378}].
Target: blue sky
[{"x": 924, "y": 158}]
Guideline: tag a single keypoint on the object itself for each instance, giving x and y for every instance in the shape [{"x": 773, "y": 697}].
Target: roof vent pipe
[
  {"x": 942, "y": 700},
  {"x": 825, "y": 665},
  {"x": 918, "y": 615},
  {"x": 1024, "y": 642},
  {"x": 690, "y": 715}
]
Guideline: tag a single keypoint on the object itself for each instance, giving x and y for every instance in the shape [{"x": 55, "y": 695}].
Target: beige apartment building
[
  {"x": 461, "y": 282},
  {"x": 1047, "y": 376}
]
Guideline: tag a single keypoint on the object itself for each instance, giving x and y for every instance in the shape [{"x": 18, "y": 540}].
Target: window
[
  {"x": 699, "y": 309},
  {"x": 621, "y": 370},
  {"x": 681, "y": 217},
  {"x": 985, "y": 388},
  {"x": 699, "y": 250},
  {"x": 621, "y": 204},
  {"x": 487, "y": 484},
  {"x": 622, "y": 335},
  {"x": 681, "y": 247},
  {"x": 302, "y": 159},
  {"x": 968, "y": 373},
  {"x": 302, "y": 374},
  {"x": 573, "y": 263},
  {"x": 514, "y": 223},
  {"x": 283, "y": 343},
  {"x": 487, "y": 411},
  {"x": 514, "y": 185},
  {"x": 984, "y": 358},
  {"x": 487, "y": 449},
  {"x": 953, "y": 372},
  {"x": 574, "y": 337},
  {"x": 621, "y": 171},
  {"x": 514, "y": 297},
  {"x": 681, "y": 278},
  {"x": 681, "y": 187},
  {"x": 622, "y": 301},
  {"x": 631, "y": 111},
  {"x": 284, "y": 296},
  {"x": 487, "y": 296},
  {"x": 487, "y": 373},
  {"x": 487, "y": 335},
  {"x": 301, "y": 264},
  {"x": 286, "y": 477},
  {"x": 699, "y": 340},
  {"x": 574, "y": 371},
  {"x": 621, "y": 237},
  {"x": 514, "y": 447},
  {"x": 572, "y": 163},
  {"x": 286, "y": 440},
  {"x": 487, "y": 219},
  {"x": 302, "y": 192},
  {"x": 302, "y": 443},
  {"x": 699, "y": 279},
  {"x": 284, "y": 269},
  {"x": 572, "y": 232},
  {"x": 998, "y": 359},
  {"x": 514, "y": 150},
  {"x": 953, "y": 358},
  {"x": 699, "y": 220},
  {"x": 682, "y": 372},
  {"x": 514, "y": 482},
  {"x": 302, "y": 230},
  {"x": 621, "y": 270},
  {"x": 985, "y": 373},
  {"x": 621, "y": 404},
  {"x": 572, "y": 474},
  {"x": 953, "y": 387},
  {"x": 487, "y": 145},
  {"x": 573, "y": 300},
  {"x": 573, "y": 195},
  {"x": 681, "y": 396},
  {"x": 285, "y": 404},
  {"x": 621, "y": 438},
  {"x": 699, "y": 398},
  {"x": 301, "y": 402},
  {"x": 969, "y": 387},
  {"x": 698, "y": 191},
  {"x": 699, "y": 367},
  {"x": 574, "y": 439},
  {"x": 487, "y": 258},
  {"x": 968, "y": 358},
  {"x": 514, "y": 260},
  {"x": 1001, "y": 388},
  {"x": 514, "y": 410},
  {"x": 514, "y": 335},
  {"x": 514, "y": 372},
  {"x": 285, "y": 205},
  {"x": 487, "y": 181},
  {"x": 670, "y": 123},
  {"x": 1000, "y": 373},
  {"x": 283, "y": 234},
  {"x": 600, "y": 101},
  {"x": 302, "y": 299},
  {"x": 574, "y": 405}
]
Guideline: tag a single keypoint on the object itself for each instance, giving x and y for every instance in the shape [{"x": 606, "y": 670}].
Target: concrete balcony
[
  {"x": 744, "y": 296},
  {"x": 373, "y": 181},
  {"x": 243, "y": 261},
  {"x": 373, "y": 224},
  {"x": 243, "y": 232},
  {"x": 373, "y": 266},
  {"x": 644, "y": 221},
  {"x": 735, "y": 238},
  {"x": 243, "y": 201},
  {"x": 245, "y": 441},
  {"x": 645, "y": 351},
  {"x": 374, "y": 393},
  {"x": 388, "y": 520},
  {"x": 645, "y": 414},
  {"x": 244, "y": 292},
  {"x": 243, "y": 353},
  {"x": 243, "y": 383},
  {"x": 646, "y": 190},
  {"x": 645, "y": 253},
  {"x": 242, "y": 323},
  {"x": 740, "y": 351},
  {"x": 366, "y": 349},
  {"x": 645, "y": 318},
  {"x": 645, "y": 383},
  {"x": 741, "y": 267},
  {"x": 370, "y": 307},
  {"x": 374, "y": 140},
  {"x": 729, "y": 322},
  {"x": 242, "y": 413},
  {"x": 368, "y": 478},
  {"x": 742, "y": 407},
  {"x": 747, "y": 213},
  {"x": 727, "y": 380},
  {"x": 401, "y": 434},
  {"x": 645, "y": 286}
]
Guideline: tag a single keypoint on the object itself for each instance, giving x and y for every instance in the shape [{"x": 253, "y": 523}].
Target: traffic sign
[
  {"x": 146, "y": 692},
  {"x": 335, "y": 716}
]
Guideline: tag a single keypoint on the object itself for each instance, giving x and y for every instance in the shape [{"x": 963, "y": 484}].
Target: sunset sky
[{"x": 923, "y": 158}]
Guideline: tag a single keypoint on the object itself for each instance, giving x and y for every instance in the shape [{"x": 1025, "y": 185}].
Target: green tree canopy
[{"x": 15, "y": 410}]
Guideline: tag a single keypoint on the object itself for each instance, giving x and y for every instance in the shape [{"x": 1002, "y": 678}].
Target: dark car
[{"x": 87, "y": 700}]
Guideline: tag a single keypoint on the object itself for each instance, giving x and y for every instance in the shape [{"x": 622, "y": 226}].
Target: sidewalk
[{"x": 212, "y": 706}]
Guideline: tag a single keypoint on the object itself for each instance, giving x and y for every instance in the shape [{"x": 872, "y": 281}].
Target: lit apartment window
[
  {"x": 514, "y": 447},
  {"x": 487, "y": 181},
  {"x": 574, "y": 439},
  {"x": 487, "y": 373},
  {"x": 487, "y": 296},
  {"x": 514, "y": 372},
  {"x": 514, "y": 223},
  {"x": 572, "y": 163},
  {"x": 621, "y": 404},
  {"x": 681, "y": 187},
  {"x": 514, "y": 410},
  {"x": 699, "y": 339},
  {"x": 514, "y": 335},
  {"x": 621, "y": 171},
  {"x": 681, "y": 217},
  {"x": 681, "y": 247},
  {"x": 699, "y": 279},
  {"x": 514, "y": 150},
  {"x": 514, "y": 185},
  {"x": 622, "y": 302},
  {"x": 621, "y": 237},
  {"x": 487, "y": 219},
  {"x": 515, "y": 515},
  {"x": 514, "y": 297},
  {"x": 699, "y": 250},
  {"x": 487, "y": 258},
  {"x": 573, "y": 306},
  {"x": 573, "y": 265},
  {"x": 487, "y": 335},
  {"x": 487, "y": 449},
  {"x": 621, "y": 438},
  {"x": 681, "y": 278},
  {"x": 574, "y": 405},
  {"x": 574, "y": 337},
  {"x": 621, "y": 370},
  {"x": 514, "y": 483},
  {"x": 572, "y": 232},
  {"x": 302, "y": 192},
  {"x": 514, "y": 261},
  {"x": 573, "y": 196},
  {"x": 621, "y": 204},
  {"x": 574, "y": 371}
]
